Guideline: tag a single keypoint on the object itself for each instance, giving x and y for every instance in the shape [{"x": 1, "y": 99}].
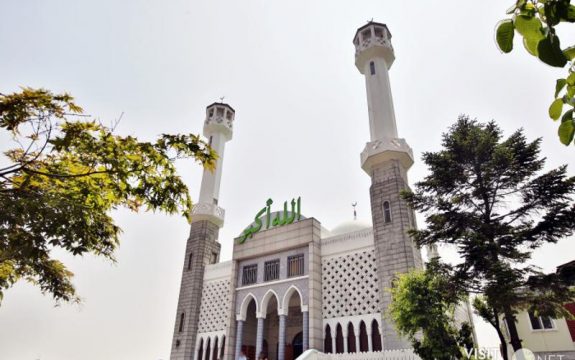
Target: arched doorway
[
  {"x": 250, "y": 331},
  {"x": 297, "y": 344},
  {"x": 271, "y": 331},
  {"x": 215, "y": 351},
  {"x": 292, "y": 305},
  {"x": 223, "y": 347},
  {"x": 327, "y": 348}
]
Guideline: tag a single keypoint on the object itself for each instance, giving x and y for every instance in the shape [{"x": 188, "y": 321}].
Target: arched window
[
  {"x": 201, "y": 349},
  {"x": 375, "y": 336},
  {"x": 223, "y": 347},
  {"x": 351, "y": 346},
  {"x": 338, "y": 340},
  {"x": 208, "y": 349},
  {"x": 363, "y": 343},
  {"x": 372, "y": 68},
  {"x": 181, "y": 322},
  {"x": 215, "y": 351},
  {"x": 327, "y": 341},
  {"x": 386, "y": 212}
]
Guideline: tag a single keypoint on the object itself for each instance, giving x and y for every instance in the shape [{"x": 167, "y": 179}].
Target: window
[
  {"x": 181, "y": 322},
  {"x": 214, "y": 258},
  {"x": 211, "y": 138},
  {"x": 540, "y": 322},
  {"x": 386, "y": 212},
  {"x": 372, "y": 68},
  {"x": 228, "y": 115},
  {"x": 295, "y": 265},
  {"x": 190, "y": 258},
  {"x": 378, "y": 32},
  {"x": 272, "y": 270},
  {"x": 249, "y": 274},
  {"x": 220, "y": 111},
  {"x": 366, "y": 34}
]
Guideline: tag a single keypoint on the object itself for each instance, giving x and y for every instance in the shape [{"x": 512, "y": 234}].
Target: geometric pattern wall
[
  {"x": 349, "y": 285},
  {"x": 215, "y": 307}
]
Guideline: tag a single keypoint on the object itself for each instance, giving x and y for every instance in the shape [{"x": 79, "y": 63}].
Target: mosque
[{"x": 293, "y": 285}]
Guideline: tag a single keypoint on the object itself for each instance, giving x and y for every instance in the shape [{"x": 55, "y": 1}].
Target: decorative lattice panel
[
  {"x": 349, "y": 285},
  {"x": 215, "y": 308}
]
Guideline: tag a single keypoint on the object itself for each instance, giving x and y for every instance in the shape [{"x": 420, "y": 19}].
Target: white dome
[{"x": 350, "y": 226}]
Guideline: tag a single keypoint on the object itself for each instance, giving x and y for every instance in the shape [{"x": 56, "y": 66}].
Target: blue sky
[{"x": 287, "y": 67}]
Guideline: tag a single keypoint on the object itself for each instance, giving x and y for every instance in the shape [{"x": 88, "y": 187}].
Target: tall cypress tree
[{"x": 489, "y": 197}]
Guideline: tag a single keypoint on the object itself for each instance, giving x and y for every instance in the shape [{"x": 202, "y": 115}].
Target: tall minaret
[
  {"x": 386, "y": 159},
  {"x": 202, "y": 247}
]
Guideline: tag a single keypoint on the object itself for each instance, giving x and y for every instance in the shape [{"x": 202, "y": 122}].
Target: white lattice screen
[
  {"x": 215, "y": 307},
  {"x": 349, "y": 285}
]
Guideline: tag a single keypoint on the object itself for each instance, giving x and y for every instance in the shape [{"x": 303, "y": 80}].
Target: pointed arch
[
  {"x": 215, "y": 350},
  {"x": 351, "y": 345},
  {"x": 363, "y": 342},
  {"x": 245, "y": 303},
  {"x": 287, "y": 296},
  {"x": 270, "y": 294},
  {"x": 223, "y": 346},
  {"x": 338, "y": 339},
  {"x": 327, "y": 348},
  {"x": 208, "y": 349},
  {"x": 201, "y": 349}
]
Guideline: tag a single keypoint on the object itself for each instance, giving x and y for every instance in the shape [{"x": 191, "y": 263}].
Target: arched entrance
[
  {"x": 270, "y": 305},
  {"x": 250, "y": 331},
  {"x": 375, "y": 336},
  {"x": 292, "y": 305}
]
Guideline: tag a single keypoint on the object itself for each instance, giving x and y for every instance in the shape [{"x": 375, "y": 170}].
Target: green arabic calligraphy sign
[{"x": 287, "y": 217}]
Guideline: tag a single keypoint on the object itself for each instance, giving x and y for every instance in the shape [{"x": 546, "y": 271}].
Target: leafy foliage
[
  {"x": 536, "y": 21},
  {"x": 423, "y": 302},
  {"x": 65, "y": 176},
  {"x": 486, "y": 196}
]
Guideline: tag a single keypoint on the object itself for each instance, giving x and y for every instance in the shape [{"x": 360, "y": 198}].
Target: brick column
[
  {"x": 259, "y": 337},
  {"x": 282, "y": 337},
  {"x": 305, "y": 330},
  {"x": 239, "y": 337}
]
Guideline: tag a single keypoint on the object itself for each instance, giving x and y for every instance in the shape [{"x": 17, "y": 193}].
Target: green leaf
[
  {"x": 568, "y": 116},
  {"x": 566, "y": 132},
  {"x": 569, "y": 52},
  {"x": 550, "y": 52},
  {"x": 529, "y": 27},
  {"x": 556, "y": 109},
  {"x": 571, "y": 79},
  {"x": 559, "y": 86},
  {"x": 531, "y": 45},
  {"x": 504, "y": 35}
]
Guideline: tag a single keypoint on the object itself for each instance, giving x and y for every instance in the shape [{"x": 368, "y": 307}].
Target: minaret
[
  {"x": 386, "y": 159},
  {"x": 202, "y": 247}
]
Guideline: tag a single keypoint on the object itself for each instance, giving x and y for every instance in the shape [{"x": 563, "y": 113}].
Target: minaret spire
[
  {"x": 386, "y": 159},
  {"x": 218, "y": 128}
]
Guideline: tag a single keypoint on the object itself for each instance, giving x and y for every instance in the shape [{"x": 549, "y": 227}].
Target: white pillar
[
  {"x": 345, "y": 344},
  {"x": 357, "y": 344},
  {"x": 239, "y": 337},
  {"x": 259, "y": 337},
  {"x": 197, "y": 348},
  {"x": 305, "y": 330},
  {"x": 369, "y": 339},
  {"x": 282, "y": 338},
  {"x": 331, "y": 332}
]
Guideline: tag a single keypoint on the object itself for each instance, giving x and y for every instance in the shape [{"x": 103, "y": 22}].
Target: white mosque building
[{"x": 292, "y": 285}]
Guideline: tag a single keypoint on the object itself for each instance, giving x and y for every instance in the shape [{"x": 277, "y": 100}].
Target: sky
[{"x": 287, "y": 67}]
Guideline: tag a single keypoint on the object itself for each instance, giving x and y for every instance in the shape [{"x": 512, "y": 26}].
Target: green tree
[
  {"x": 487, "y": 196},
  {"x": 64, "y": 176},
  {"x": 422, "y": 309},
  {"x": 490, "y": 315},
  {"x": 536, "y": 21}
]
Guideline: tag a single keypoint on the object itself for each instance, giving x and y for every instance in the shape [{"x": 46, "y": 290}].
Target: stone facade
[
  {"x": 202, "y": 249},
  {"x": 395, "y": 252}
]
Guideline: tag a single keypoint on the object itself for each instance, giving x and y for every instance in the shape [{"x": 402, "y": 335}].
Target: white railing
[
  {"x": 403, "y": 354},
  {"x": 207, "y": 211}
]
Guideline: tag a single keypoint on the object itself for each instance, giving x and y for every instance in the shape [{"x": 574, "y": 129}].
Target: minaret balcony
[
  {"x": 210, "y": 212},
  {"x": 380, "y": 151}
]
